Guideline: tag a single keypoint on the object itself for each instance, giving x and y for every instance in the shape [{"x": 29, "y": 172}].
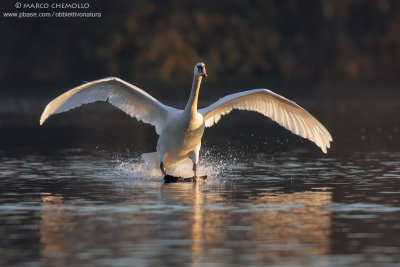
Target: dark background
[{"x": 338, "y": 59}]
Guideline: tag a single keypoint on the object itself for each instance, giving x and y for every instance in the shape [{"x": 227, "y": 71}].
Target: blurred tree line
[{"x": 298, "y": 40}]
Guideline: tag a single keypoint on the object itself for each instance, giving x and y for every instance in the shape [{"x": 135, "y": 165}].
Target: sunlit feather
[{"x": 283, "y": 111}]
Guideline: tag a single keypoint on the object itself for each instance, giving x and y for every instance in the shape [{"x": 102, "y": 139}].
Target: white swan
[{"x": 180, "y": 131}]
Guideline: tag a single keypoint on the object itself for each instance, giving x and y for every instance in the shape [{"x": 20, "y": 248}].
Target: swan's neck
[{"x": 191, "y": 105}]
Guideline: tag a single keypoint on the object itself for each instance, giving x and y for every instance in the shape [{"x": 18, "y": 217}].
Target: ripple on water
[{"x": 365, "y": 207}]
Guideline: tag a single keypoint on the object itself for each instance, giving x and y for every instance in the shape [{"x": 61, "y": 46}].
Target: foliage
[{"x": 161, "y": 40}]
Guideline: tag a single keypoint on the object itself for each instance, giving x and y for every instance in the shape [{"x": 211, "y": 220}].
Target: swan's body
[{"x": 180, "y": 131}]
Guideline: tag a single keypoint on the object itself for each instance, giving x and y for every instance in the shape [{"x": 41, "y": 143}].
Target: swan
[{"x": 180, "y": 131}]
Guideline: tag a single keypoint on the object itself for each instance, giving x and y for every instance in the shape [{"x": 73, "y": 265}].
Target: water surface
[{"x": 84, "y": 207}]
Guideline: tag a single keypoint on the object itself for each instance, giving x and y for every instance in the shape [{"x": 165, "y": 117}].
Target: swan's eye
[{"x": 199, "y": 68}]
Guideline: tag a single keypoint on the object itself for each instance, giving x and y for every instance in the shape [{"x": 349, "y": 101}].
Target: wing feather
[
  {"x": 280, "y": 109},
  {"x": 132, "y": 100}
]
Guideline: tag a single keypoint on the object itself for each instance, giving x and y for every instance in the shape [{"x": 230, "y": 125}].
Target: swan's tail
[{"x": 152, "y": 160}]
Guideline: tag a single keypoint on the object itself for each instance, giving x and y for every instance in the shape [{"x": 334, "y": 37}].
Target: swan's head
[{"x": 200, "y": 69}]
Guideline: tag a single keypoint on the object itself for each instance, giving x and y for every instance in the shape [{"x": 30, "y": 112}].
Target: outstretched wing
[
  {"x": 278, "y": 108},
  {"x": 125, "y": 96}
]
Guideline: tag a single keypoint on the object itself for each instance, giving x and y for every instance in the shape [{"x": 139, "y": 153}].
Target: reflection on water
[
  {"x": 274, "y": 225},
  {"x": 290, "y": 209}
]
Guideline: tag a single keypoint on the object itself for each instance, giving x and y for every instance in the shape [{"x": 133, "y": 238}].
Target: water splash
[{"x": 148, "y": 170}]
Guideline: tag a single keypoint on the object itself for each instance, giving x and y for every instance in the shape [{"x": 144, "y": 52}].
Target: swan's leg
[
  {"x": 195, "y": 169},
  {"x": 162, "y": 168},
  {"x": 194, "y": 156}
]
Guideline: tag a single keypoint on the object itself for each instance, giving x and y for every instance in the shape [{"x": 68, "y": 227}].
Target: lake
[
  {"x": 75, "y": 192},
  {"x": 85, "y": 207}
]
